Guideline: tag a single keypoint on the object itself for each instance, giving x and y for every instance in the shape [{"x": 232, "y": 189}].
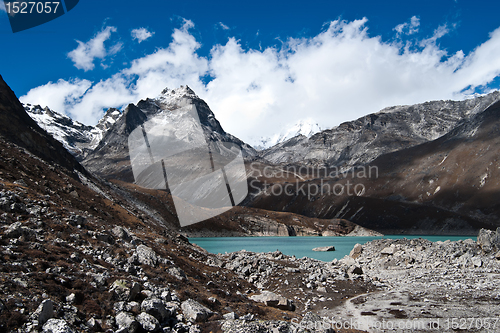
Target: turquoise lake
[{"x": 299, "y": 246}]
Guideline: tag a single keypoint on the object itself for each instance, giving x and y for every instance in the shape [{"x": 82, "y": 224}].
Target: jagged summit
[
  {"x": 182, "y": 91},
  {"x": 81, "y": 139},
  {"x": 111, "y": 157},
  {"x": 76, "y": 137}
]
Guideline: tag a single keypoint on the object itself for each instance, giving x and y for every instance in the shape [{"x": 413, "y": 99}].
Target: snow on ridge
[
  {"x": 306, "y": 127},
  {"x": 79, "y": 138},
  {"x": 174, "y": 96},
  {"x": 71, "y": 133}
]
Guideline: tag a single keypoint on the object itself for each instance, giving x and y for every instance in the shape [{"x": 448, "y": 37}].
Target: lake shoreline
[
  {"x": 391, "y": 281},
  {"x": 356, "y": 232},
  {"x": 302, "y": 246}
]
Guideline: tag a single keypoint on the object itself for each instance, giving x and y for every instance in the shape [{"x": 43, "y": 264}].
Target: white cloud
[
  {"x": 141, "y": 34},
  {"x": 408, "y": 28},
  {"x": 338, "y": 75},
  {"x": 438, "y": 33},
  {"x": 223, "y": 26},
  {"x": 83, "y": 56},
  {"x": 59, "y": 96}
]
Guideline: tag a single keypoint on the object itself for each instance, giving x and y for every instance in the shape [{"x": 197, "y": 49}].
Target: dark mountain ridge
[
  {"x": 445, "y": 186},
  {"x": 18, "y": 127},
  {"x": 360, "y": 141}
]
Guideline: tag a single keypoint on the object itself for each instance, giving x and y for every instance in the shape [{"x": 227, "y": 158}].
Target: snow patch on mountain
[
  {"x": 76, "y": 137},
  {"x": 98, "y": 132},
  {"x": 306, "y": 127}
]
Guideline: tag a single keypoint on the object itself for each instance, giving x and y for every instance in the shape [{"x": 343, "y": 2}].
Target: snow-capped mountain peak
[
  {"x": 98, "y": 132},
  {"x": 176, "y": 96},
  {"x": 306, "y": 127},
  {"x": 74, "y": 135}
]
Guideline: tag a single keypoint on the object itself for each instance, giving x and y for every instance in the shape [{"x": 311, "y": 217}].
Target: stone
[
  {"x": 120, "y": 290},
  {"x": 104, "y": 238},
  {"x": 324, "y": 249},
  {"x": 20, "y": 182},
  {"x": 177, "y": 273},
  {"x": 70, "y": 314},
  {"x": 166, "y": 295},
  {"x": 266, "y": 297},
  {"x": 321, "y": 289},
  {"x": 121, "y": 233},
  {"x": 157, "y": 309},
  {"x": 148, "y": 322},
  {"x": 135, "y": 291},
  {"x": 477, "y": 262},
  {"x": 56, "y": 326},
  {"x": 347, "y": 260},
  {"x": 21, "y": 282},
  {"x": 133, "y": 307},
  {"x": 119, "y": 307},
  {"x": 146, "y": 255},
  {"x": 195, "y": 329},
  {"x": 355, "y": 270},
  {"x": 230, "y": 316},
  {"x": 214, "y": 300},
  {"x": 194, "y": 311},
  {"x": 273, "y": 300},
  {"x": 126, "y": 321},
  {"x": 388, "y": 250},
  {"x": 35, "y": 210},
  {"x": 44, "y": 312},
  {"x": 356, "y": 251},
  {"x": 71, "y": 298},
  {"x": 489, "y": 240},
  {"x": 94, "y": 324},
  {"x": 285, "y": 304},
  {"x": 16, "y": 230}
]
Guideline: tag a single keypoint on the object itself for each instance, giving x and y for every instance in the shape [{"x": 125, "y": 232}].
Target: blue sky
[{"x": 261, "y": 65}]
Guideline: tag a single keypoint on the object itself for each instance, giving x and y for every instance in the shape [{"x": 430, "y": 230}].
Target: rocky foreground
[
  {"x": 410, "y": 286},
  {"x": 442, "y": 286},
  {"x": 380, "y": 286}
]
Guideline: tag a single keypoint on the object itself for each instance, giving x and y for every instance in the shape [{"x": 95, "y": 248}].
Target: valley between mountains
[
  {"x": 85, "y": 249},
  {"x": 430, "y": 168}
]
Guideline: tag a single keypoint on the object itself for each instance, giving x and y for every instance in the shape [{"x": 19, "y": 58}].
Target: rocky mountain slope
[
  {"x": 19, "y": 128},
  {"x": 448, "y": 185},
  {"x": 360, "y": 141}
]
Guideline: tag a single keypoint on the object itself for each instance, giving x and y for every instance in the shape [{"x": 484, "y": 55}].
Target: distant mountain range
[
  {"x": 449, "y": 185},
  {"x": 33, "y": 155},
  {"x": 413, "y": 191},
  {"x": 394, "y": 128},
  {"x": 351, "y": 143}
]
